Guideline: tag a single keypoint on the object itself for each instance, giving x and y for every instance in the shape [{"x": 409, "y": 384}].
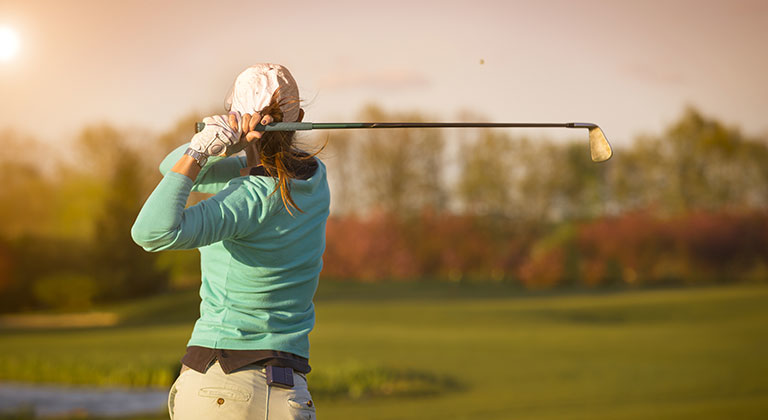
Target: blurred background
[{"x": 468, "y": 273}]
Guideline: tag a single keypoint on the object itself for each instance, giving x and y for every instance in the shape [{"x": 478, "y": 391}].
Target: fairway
[{"x": 662, "y": 354}]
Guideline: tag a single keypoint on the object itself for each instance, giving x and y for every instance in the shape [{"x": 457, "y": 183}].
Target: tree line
[
  {"x": 684, "y": 206},
  {"x": 687, "y": 205}
]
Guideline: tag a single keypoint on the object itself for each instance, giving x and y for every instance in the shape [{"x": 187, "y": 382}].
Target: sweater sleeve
[
  {"x": 215, "y": 174},
  {"x": 163, "y": 222}
]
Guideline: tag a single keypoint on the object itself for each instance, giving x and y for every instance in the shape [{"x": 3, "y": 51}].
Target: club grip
[{"x": 280, "y": 126}]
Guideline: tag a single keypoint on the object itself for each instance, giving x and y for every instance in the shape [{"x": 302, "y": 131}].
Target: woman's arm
[
  {"x": 188, "y": 167},
  {"x": 214, "y": 176},
  {"x": 163, "y": 222}
]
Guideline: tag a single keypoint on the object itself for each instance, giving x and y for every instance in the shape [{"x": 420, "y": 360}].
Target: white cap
[{"x": 254, "y": 87}]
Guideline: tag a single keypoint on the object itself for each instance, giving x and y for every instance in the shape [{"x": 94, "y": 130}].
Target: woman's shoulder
[
  {"x": 303, "y": 171},
  {"x": 252, "y": 181},
  {"x": 257, "y": 180}
]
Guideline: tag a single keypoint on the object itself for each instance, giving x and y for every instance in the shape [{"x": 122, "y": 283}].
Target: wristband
[{"x": 200, "y": 158}]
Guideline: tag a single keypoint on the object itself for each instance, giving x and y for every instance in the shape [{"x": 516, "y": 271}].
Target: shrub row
[{"x": 637, "y": 248}]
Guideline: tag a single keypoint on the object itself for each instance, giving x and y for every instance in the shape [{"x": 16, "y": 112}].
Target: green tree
[
  {"x": 122, "y": 269},
  {"x": 27, "y": 185},
  {"x": 402, "y": 170},
  {"x": 485, "y": 185},
  {"x": 397, "y": 171},
  {"x": 580, "y": 186},
  {"x": 696, "y": 164}
]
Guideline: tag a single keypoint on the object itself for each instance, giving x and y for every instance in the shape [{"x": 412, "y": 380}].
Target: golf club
[{"x": 599, "y": 148}]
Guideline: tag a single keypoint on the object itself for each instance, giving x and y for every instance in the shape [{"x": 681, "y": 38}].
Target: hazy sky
[{"x": 630, "y": 66}]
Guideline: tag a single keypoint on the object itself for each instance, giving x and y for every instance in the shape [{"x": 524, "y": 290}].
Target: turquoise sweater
[{"x": 259, "y": 264}]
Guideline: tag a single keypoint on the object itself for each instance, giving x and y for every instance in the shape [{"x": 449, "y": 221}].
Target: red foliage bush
[
  {"x": 544, "y": 270},
  {"x": 367, "y": 249},
  {"x": 384, "y": 247},
  {"x": 688, "y": 248},
  {"x": 5, "y": 267},
  {"x": 634, "y": 248}
]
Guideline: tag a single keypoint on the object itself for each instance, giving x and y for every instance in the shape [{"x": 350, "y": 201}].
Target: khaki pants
[{"x": 243, "y": 394}]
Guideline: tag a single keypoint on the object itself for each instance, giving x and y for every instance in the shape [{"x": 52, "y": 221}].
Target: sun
[{"x": 9, "y": 43}]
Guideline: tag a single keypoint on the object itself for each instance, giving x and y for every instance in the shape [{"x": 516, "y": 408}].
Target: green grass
[{"x": 496, "y": 354}]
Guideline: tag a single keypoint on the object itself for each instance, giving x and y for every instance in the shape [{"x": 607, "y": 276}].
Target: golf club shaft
[
  {"x": 599, "y": 147},
  {"x": 301, "y": 126}
]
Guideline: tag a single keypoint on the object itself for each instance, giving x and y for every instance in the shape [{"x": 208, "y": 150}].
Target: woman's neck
[{"x": 252, "y": 156}]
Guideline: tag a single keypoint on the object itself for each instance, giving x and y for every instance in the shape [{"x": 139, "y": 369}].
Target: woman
[{"x": 261, "y": 239}]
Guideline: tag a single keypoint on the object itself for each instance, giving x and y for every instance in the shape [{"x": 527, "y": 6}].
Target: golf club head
[{"x": 599, "y": 147}]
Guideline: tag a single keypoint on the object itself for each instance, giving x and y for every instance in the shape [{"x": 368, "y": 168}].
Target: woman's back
[{"x": 257, "y": 287}]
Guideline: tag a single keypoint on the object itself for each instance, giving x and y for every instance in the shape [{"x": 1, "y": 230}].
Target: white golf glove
[{"x": 217, "y": 136}]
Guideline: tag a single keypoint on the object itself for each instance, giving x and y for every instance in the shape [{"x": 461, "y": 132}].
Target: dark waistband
[{"x": 200, "y": 358}]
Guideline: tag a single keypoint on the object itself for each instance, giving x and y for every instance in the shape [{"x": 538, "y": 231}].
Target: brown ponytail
[{"x": 279, "y": 157}]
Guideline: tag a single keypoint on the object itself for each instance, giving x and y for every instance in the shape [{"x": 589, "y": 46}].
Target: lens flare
[{"x": 9, "y": 43}]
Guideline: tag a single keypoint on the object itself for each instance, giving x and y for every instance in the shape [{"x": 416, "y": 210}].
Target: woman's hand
[
  {"x": 250, "y": 122},
  {"x": 247, "y": 127},
  {"x": 221, "y": 132}
]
